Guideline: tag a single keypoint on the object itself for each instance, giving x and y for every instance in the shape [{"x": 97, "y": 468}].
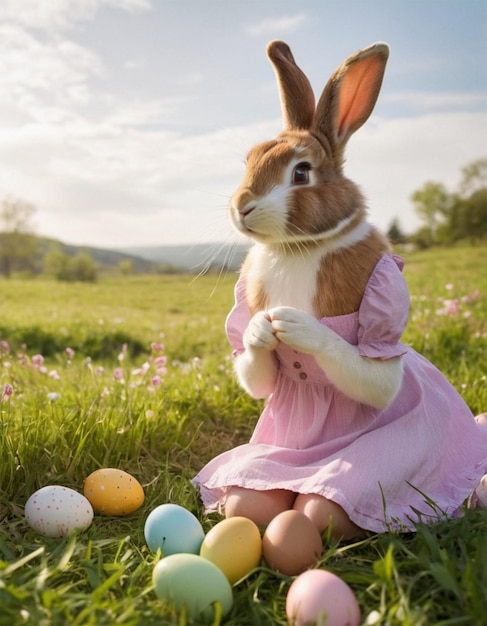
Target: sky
[{"x": 127, "y": 122}]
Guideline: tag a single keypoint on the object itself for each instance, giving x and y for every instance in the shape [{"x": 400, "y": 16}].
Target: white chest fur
[
  {"x": 291, "y": 279},
  {"x": 288, "y": 280}
]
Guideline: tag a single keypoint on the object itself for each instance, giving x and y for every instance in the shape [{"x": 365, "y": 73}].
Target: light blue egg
[
  {"x": 191, "y": 583},
  {"x": 173, "y": 529}
]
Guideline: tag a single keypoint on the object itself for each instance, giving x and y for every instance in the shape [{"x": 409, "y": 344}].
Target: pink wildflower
[
  {"x": 70, "y": 353},
  {"x": 157, "y": 347},
  {"x": 5, "y": 346},
  {"x": 142, "y": 370},
  {"x": 99, "y": 370},
  {"x": 54, "y": 374},
  {"x": 7, "y": 392},
  {"x": 123, "y": 352},
  {"x": 37, "y": 360},
  {"x": 118, "y": 373},
  {"x": 160, "y": 361},
  {"x": 471, "y": 296},
  {"x": 156, "y": 381},
  {"x": 450, "y": 307}
]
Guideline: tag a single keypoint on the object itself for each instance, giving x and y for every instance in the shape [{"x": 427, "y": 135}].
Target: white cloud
[
  {"x": 55, "y": 15},
  {"x": 283, "y": 24},
  {"x": 110, "y": 185},
  {"x": 437, "y": 100},
  {"x": 391, "y": 158},
  {"x": 105, "y": 164},
  {"x": 31, "y": 69},
  {"x": 47, "y": 14}
]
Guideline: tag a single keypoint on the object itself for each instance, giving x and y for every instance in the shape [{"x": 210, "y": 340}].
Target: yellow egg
[
  {"x": 235, "y": 546},
  {"x": 113, "y": 492}
]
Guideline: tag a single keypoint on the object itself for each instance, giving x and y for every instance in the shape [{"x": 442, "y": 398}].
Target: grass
[{"x": 105, "y": 407}]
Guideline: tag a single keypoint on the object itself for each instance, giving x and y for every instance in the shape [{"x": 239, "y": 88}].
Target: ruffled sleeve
[
  {"x": 238, "y": 318},
  {"x": 384, "y": 311}
]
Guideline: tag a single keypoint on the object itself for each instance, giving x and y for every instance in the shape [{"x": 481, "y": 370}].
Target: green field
[{"x": 116, "y": 403}]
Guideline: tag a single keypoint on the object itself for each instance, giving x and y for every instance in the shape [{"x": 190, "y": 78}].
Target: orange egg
[
  {"x": 113, "y": 492},
  {"x": 291, "y": 543}
]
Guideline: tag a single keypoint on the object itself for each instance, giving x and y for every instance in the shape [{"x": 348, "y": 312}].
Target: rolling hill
[
  {"x": 193, "y": 257},
  {"x": 162, "y": 259}
]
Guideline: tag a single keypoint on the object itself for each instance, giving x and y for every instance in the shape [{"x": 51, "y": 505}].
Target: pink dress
[{"x": 419, "y": 458}]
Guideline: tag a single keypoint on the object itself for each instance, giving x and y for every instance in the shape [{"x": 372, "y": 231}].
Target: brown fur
[
  {"x": 298, "y": 111},
  {"x": 320, "y": 214},
  {"x": 255, "y": 293},
  {"x": 343, "y": 275},
  {"x": 341, "y": 280}
]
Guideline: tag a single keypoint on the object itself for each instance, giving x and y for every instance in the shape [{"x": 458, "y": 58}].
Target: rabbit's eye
[{"x": 301, "y": 173}]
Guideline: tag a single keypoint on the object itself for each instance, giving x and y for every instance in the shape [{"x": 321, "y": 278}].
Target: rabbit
[{"x": 359, "y": 432}]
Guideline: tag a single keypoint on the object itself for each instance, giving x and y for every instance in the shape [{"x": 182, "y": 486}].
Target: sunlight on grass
[{"x": 137, "y": 374}]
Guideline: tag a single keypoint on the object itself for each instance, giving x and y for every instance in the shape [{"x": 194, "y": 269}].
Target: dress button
[
  {"x": 303, "y": 375},
  {"x": 297, "y": 365}
]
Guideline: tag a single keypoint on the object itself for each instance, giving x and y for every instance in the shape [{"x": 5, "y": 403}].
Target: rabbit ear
[
  {"x": 350, "y": 95},
  {"x": 297, "y": 98}
]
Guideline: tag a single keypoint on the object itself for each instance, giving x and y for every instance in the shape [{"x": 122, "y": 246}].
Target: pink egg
[
  {"x": 482, "y": 419},
  {"x": 318, "y": 596}
]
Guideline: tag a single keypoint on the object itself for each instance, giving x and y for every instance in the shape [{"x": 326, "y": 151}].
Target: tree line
[
  {"x": 20, "y": 248},
  {"x": 446, "y": 218}
]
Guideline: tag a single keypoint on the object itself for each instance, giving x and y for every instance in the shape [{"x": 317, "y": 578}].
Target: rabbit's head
[{"x": 294, "y": 190}]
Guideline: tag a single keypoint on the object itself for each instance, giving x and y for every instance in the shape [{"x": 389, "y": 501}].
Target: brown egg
[{"x": 291, "y": 543}]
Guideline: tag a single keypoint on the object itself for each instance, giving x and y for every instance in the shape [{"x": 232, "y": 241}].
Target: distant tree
[
  {"x": 452, "y": 217},
  {"x": 56, "y": 263},
  {"x": 126, "y": 267},
  {"x": 83, "y": 268},
  {"x": 474, "y": 177},
  {"x": 17, "y": 243},
  {"x": 395, "y": 233},
  {"x": 469, "y": 217},
  {"x": 422, "y": 238},
  {"x": 433, "y": 204},
  {"x": 63, "y": 267}
]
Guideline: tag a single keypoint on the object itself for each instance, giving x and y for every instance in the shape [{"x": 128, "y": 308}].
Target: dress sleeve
[
  {"x": 384, "y": 311},
  {"x": 238, "y": 319}
]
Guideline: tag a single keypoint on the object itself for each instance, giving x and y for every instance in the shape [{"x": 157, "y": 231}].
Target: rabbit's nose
[{"x": 246, "y": 210}]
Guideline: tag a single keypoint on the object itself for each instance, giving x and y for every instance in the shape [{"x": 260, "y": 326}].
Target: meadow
[{"x": 136, "y": 373}]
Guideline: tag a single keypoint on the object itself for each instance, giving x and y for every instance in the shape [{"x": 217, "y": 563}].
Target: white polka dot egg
[{"x": 55, "y": 511}]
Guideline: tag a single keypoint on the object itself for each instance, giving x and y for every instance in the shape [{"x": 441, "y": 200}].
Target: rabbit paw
[
  {"x": 297, "y": 329},
  {"x": 259, "y": 333}
]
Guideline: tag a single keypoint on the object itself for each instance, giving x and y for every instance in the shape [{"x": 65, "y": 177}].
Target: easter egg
[
  {"x": 173, "y": 529},
  {"x": 481, "y": 493},
  {"x": 55, "y": 511},
  {"x": 291, "y": 543},
  {"x": 191, "y": 582},
  {"x": 235, "y": 546},
  {"x": 320, "y": 597},
  {"x": 113, "y": 492},
  {"x": 481, "y": 419}
]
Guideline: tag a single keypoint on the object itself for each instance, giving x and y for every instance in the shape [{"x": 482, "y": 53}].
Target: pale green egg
[{"x": 194, "y": 585}]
